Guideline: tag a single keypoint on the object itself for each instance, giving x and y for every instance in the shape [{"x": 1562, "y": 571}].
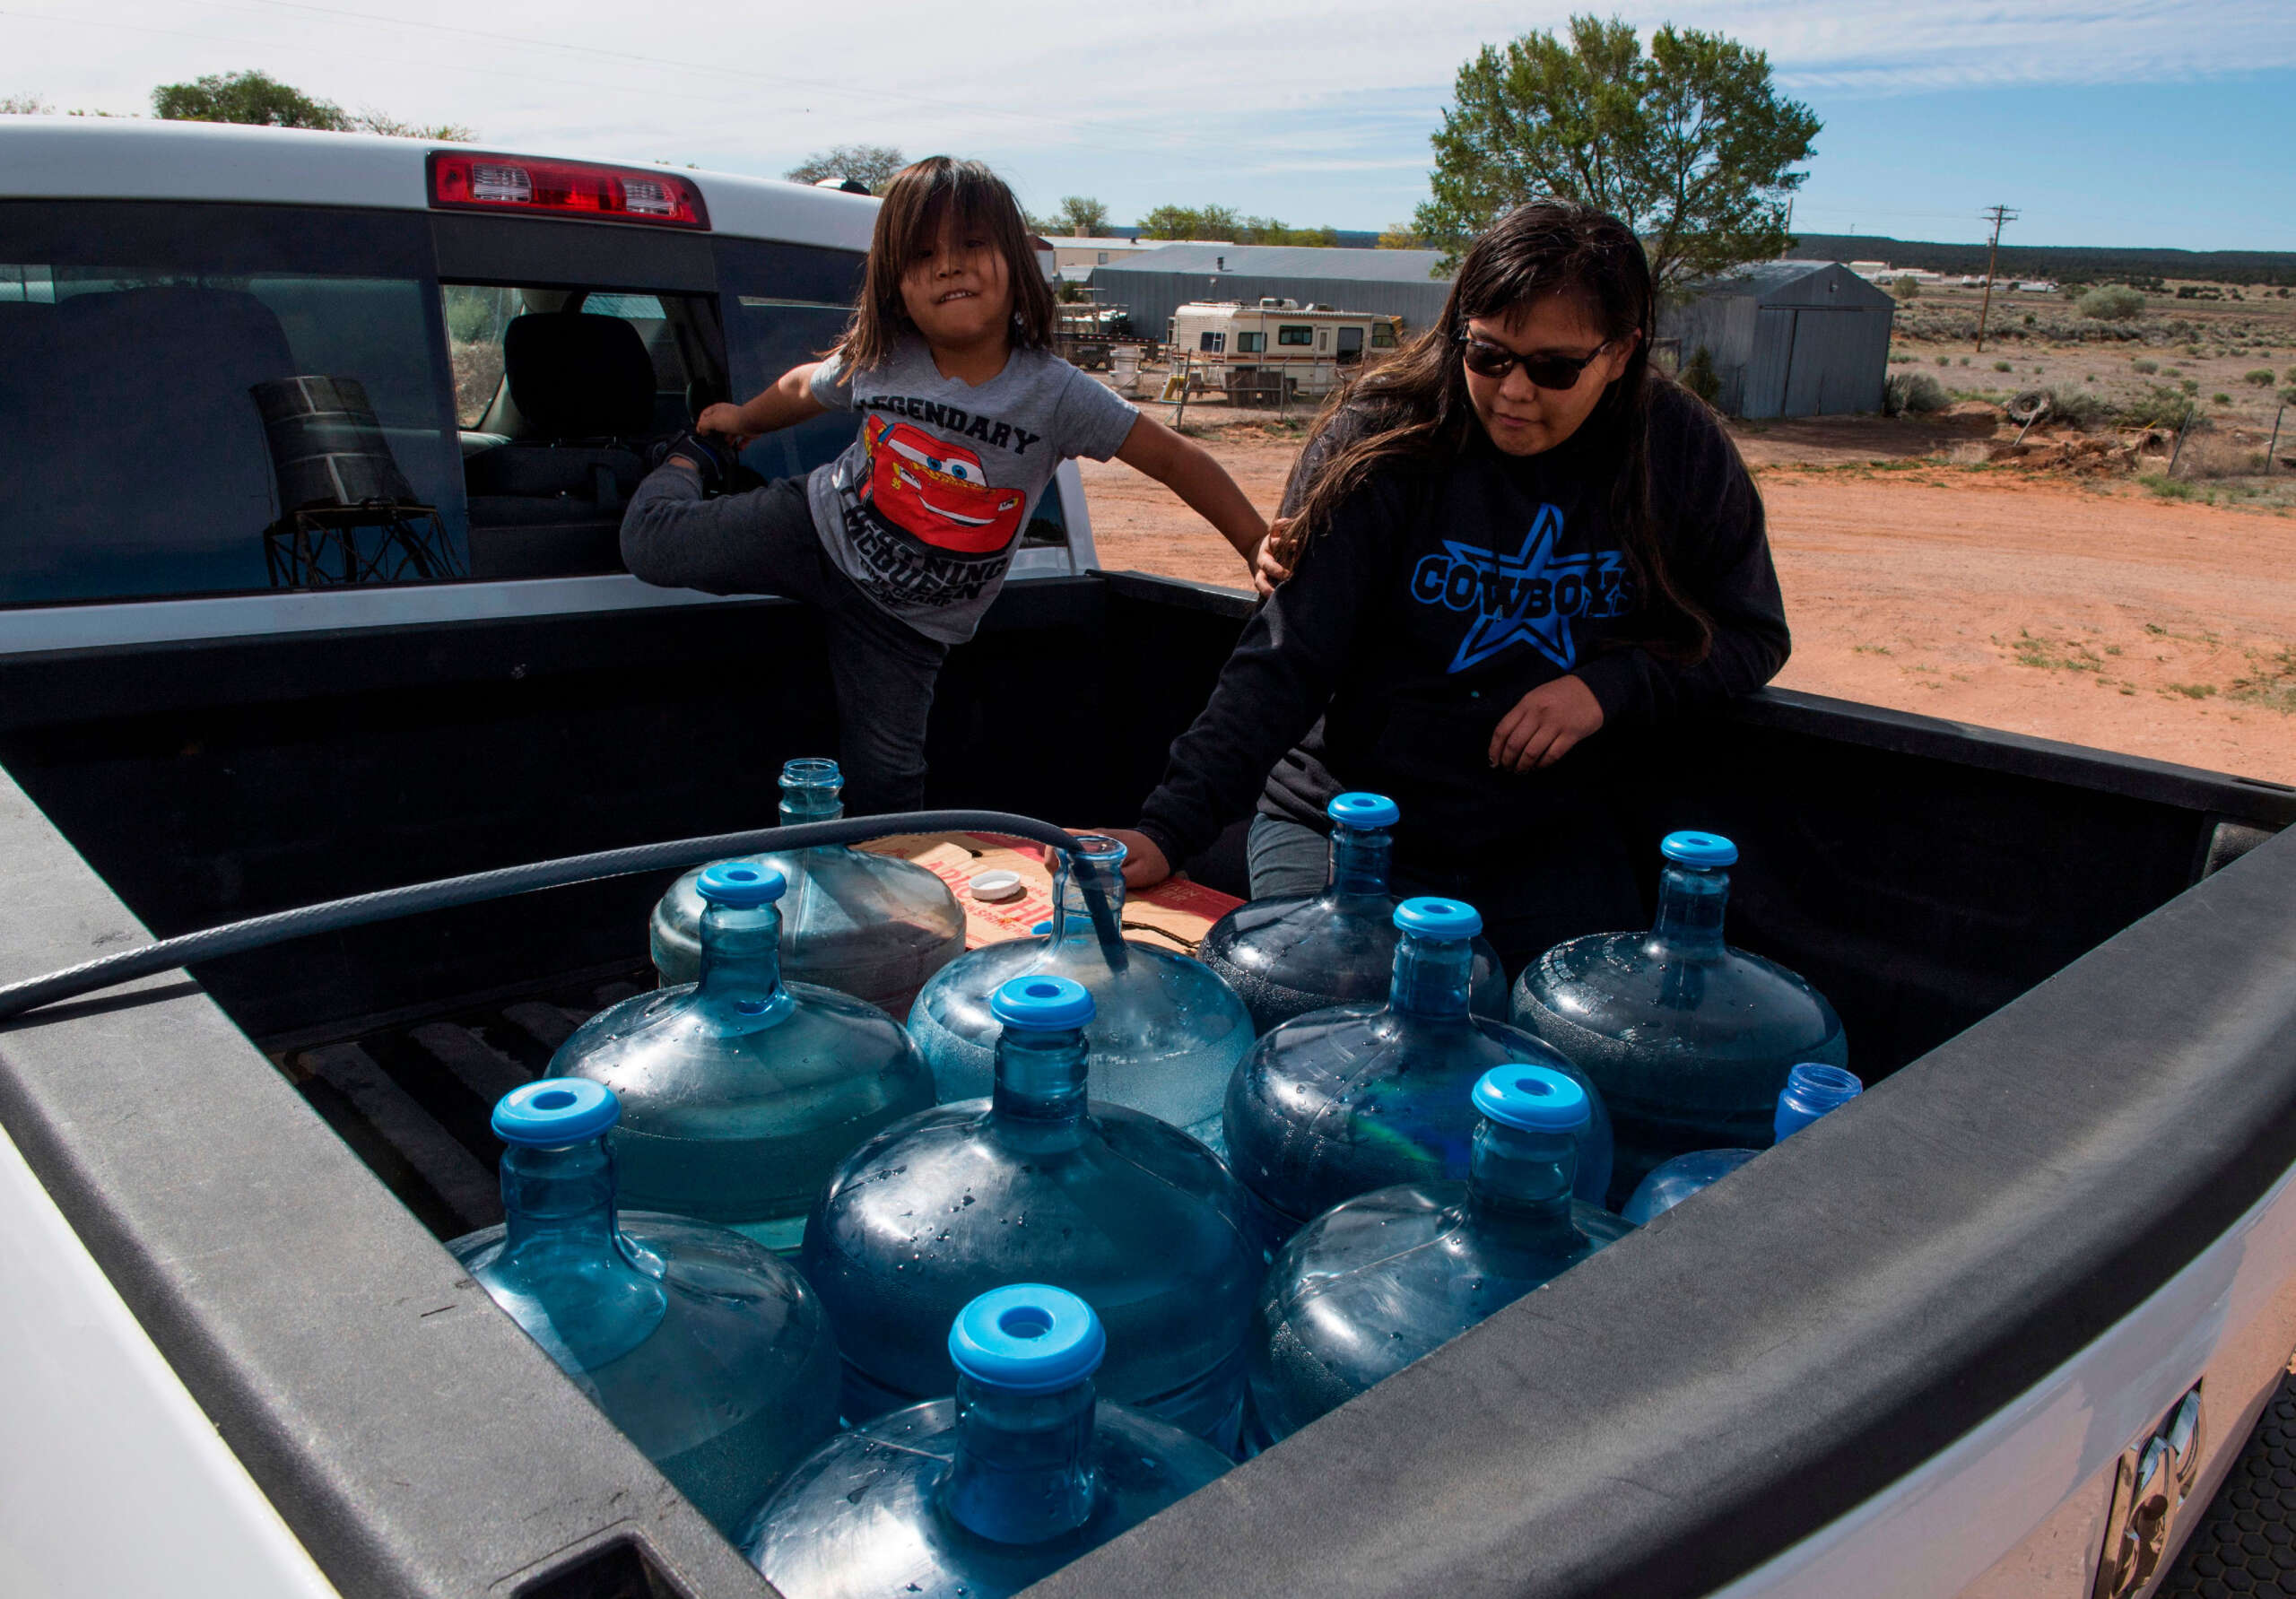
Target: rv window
[
  {"x": 1104, "y": 258},
  {"x": 1216, "y": 342},
  {"x": 1291, "y": 334},
  {"x": 1322, "y": 338},
  {"x": 1250, "y": 343},
  {"x": 1383, "y": 335},
  {"x": 133, "y": 456}
]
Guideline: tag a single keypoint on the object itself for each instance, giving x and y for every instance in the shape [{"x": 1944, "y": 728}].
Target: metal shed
[
  {"x": 1154, "y": 283},
  {"x": 1789, "y": 338}
]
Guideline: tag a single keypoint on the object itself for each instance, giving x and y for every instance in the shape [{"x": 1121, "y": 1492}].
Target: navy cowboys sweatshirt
[{"x": 1440, "y": 595}]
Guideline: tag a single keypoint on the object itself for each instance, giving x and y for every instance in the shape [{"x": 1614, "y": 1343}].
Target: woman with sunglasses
[{"x": 1506, "y": 540}]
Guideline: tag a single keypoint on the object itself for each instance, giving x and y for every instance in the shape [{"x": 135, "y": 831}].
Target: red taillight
[{"x": 517, "y": 183}]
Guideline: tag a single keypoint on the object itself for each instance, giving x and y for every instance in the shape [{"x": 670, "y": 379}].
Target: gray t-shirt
[{"x": 923, "y": 510}]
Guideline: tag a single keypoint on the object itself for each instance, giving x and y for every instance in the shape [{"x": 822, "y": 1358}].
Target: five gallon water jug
[
  {"x": 741, "y": 1093},
  {"x": 1371, "y": 1285},
  {"x": 1811, "y": 1090},
  {"x": 979, "y": 1496},
  {"x": 1688, "y": 1039},
  {"x": 1291, "y": 955},
  {"x": 1030, "y": 1186},
  {"x": 1165, "y": 1033},
  {"x": 865, "y": 924},
  {"x": 1342, "y": 1101},
  {"x": 712, "y": 1355}
]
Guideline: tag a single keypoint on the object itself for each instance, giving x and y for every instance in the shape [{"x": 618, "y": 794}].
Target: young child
[{"x": 903, "y": 541}]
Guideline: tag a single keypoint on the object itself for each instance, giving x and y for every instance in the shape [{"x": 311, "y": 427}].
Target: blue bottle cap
[
  {"x": 1536, "y": 1098},
  {"x": 744, "y": 885},
  {"x": 1028, "y": 1338},
  {"x": 554, "y": 1112},
  {"x": 1445, "y": 921},
  {"x": 1042, "y": 1003},
  {"x": 1699, "y": 849},
  {"x": 1364, "y": 810}
]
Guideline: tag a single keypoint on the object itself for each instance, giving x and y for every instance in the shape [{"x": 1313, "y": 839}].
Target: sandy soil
[{"x": 2101, "y": 616}]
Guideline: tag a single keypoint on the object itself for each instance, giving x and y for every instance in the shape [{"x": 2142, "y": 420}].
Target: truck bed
[{"x": 2082, "y": 1038}]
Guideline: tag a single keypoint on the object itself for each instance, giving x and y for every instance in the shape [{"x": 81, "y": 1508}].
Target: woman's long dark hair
[
  {"x": 921, "y": 196},
  {"x": 1414, "y": 406}
]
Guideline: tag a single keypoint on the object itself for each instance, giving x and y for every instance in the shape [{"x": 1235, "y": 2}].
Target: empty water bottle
[
  {"x": 712, "y": 1355},
  {"x": 1166, "y": 1032},
  {"x": 1293, "y": 954},
  {"x": 870, "y": 926},
  {"x": 1030, "y": 1184},
  {"x": 1688, "y": 1039},
  {"x": 979, "y": 1496},
  {"x": 1339, "y": 1102},
  {"x": 1373, "y": 1284},
  {"x": 741, "y": 1093},
  {"x": 1811, "y": 1090}
]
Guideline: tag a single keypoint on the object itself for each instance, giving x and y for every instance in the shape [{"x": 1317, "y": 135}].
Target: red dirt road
[{"x": 2097, "y": 616}]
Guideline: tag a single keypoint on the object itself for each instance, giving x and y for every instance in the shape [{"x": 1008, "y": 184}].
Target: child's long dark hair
[
  {"x": 1415, "y": 406},
  {"x": 916, "y": 202}
]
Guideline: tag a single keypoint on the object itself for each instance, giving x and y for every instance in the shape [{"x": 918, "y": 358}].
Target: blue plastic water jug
[
  {"x": 979, "y": 1496},
  {"x": 1293, "y": 954},
  {"x": 1342, "y": 1101},
  {"x": 1811, "y": 1090},
  {"x": 741, "y": 1094},
  {"x": 708, "y": 1351},
  {"x": 1165, "y": 1034},
  {"x": 1031, "y": 1185},
  {"x": 870, "y": 926},
  {"x": 1373, "y": 1284},
  {"x": 1688, "y": 1039}
]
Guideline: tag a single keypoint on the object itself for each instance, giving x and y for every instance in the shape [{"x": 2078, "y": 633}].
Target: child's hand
[
  {"x": 723, "y": 419},
  {"x": 1271, "y": 561},
  {"x": 1545, "y": 724}
]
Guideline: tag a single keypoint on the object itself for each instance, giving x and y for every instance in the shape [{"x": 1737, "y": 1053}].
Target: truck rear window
[{"x": 134, "y": 459}]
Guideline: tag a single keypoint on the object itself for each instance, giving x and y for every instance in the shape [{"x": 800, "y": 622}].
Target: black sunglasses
[{"x": 1487, "y": 359}]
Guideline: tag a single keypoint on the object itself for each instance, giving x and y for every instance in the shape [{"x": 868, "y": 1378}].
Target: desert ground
[{"x": 1921, "y": 575}]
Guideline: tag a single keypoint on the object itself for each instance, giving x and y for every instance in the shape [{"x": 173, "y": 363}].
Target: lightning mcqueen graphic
[{"x": 936, "y": 492}]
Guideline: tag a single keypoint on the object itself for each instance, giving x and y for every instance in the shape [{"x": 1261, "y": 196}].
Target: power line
[{"x": 1997, "y": 215}]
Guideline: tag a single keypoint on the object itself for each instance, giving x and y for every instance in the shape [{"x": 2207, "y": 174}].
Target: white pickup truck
[{"x": 2003, "y": 1326}]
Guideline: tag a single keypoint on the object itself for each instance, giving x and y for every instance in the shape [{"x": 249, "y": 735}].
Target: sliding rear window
[{"x": 139, "y": 344}]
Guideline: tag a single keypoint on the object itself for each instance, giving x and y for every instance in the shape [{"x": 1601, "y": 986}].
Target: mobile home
[{"x": 1256, "y": 350}]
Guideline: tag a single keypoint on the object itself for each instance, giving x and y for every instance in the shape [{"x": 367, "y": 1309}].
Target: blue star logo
[{"x": 1527, "y": 597}]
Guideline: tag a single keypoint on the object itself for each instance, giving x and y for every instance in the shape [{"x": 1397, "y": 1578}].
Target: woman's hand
[
  {"x": 1270, "y": 562},
  {"x": 1145, "y": 865},
  {"x": 1545, "y": 724}
]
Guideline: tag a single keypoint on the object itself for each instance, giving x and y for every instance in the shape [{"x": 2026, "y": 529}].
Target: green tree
[
  {"x": 1079, "y": 217},
  {"x": 1401, "y": 236},
  {"x": 1183, "y": 222},
  {"x": 1687, "y": 143},
  {"x": 1907, "y": 287},
  {"x": 248, "y": 97},
  {"x": 23, "y": 105},
  {"x": 871, "y": 164}
]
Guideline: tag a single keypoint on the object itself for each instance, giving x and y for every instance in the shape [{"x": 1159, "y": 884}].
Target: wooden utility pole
[{"x": 1997, "y": 215}]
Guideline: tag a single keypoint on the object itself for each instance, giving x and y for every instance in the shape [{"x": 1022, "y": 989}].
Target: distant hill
[{"x": 2071, "y": 263}]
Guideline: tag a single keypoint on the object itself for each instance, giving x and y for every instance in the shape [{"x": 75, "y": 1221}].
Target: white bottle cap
[{"x": 994, "y": 886}]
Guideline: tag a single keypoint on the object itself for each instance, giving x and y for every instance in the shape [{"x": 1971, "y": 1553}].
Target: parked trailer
[
  {"x": 1258, "y": 352},
  {"x": 1999, "y": 1327}
]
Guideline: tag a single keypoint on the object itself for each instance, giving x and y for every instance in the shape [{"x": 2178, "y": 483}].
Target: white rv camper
[{"x": 1258, "y": 352}]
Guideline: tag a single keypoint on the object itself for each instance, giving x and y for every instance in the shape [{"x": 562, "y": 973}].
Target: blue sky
[{"x": 2133, "y": 122}]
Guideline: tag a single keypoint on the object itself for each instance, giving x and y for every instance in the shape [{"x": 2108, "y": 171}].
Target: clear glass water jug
[
  {"x": 1033, "y": 1183},
  {"x": 1296, "y": 953},
  {"x": 1688, "y": 1039},
  {"x": 979, "y": 1496},
  {"x": 1376, "y": 1282},
  {"x": 1811, "y": 1090},
  {"x": 741, "y": 1093},
  {"x": 865, "y": 924},
  {"x": 1339, "y": 1102},
  {"x": 1166, "y": 1031},
  {"x": 707, "y": 1351}
]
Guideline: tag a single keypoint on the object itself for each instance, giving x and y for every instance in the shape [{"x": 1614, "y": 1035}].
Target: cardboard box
[{"x": 1174, "y": 914}]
